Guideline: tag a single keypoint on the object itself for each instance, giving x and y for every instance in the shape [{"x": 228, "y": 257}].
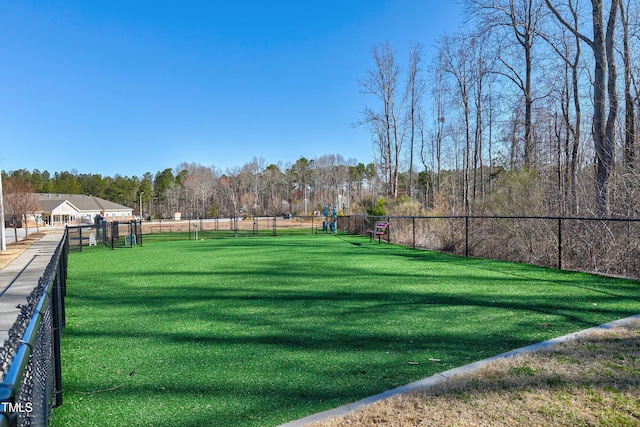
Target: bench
[{"x": 379, "y": 230}]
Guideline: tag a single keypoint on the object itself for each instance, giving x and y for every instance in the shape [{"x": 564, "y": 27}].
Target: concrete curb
[{"x": 430, "y": 381}]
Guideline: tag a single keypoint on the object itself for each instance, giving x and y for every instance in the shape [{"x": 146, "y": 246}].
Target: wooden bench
[{"x": 379, "y": 230}]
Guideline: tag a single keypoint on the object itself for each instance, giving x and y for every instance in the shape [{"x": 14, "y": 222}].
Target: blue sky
[{"x": 128, "y": 87}]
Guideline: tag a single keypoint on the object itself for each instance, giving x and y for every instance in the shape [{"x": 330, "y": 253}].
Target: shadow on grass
[{"x": 283, "y": 328}]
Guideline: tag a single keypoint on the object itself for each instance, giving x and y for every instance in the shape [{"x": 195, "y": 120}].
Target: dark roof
[
  {"x": 48, "y": 205},
  {"x": 49, "y": 201}
]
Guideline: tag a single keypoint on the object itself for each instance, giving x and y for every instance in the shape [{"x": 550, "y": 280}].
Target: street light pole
[
  {"x": 3, "y": 239},
  {"x": 141, "y": 214}
]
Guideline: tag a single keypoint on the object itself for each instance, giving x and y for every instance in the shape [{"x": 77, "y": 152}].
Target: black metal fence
[
  {"x": 199, "y": 228},
  {"x": 608, "y": 246},
  {"x": 131, "y": 233},
  {"x": 124, "y": 234},
  {"x": 30, "y": 357},
  {"x": 114, "y": 234}
]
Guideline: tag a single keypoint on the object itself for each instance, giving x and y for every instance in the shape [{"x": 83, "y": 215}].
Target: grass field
[{"x": 260, "y": 331}]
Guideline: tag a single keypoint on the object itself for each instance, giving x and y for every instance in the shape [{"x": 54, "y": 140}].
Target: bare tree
[
  {"x": 604, "y": 89},
  {"x": 438, "y": 92},
  {"x": 570, "y": 53},
  {"x": 20, "y": 203},
  {"x": 230, "y": 186},
  {"x": 325, "y": 179},
  {"x": 415, "y": 90},
  {"x": 456, "y": 60},
  {"x": 520, "y": 19},
  {"x": 198, "y": 186},
  {"x": 481, "y": 77},
  {"x": 252, "y": 183},
  {"x": 386, "y": 126},
  {"x": 630, "y": 117},
  {"x": 274, "y": 187}
]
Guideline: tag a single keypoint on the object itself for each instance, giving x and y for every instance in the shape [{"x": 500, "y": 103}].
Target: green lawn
[{"x": 260, "y": 331}]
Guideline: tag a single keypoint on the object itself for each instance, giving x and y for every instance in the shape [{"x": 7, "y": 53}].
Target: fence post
[
  {"x": 389, "y": 230},
  {"x": 466, "y": 236},
  {"x": 413, "y": 226},
  {"x": 56, "y": 326},
  {"x": 559, "y": 243},
  {"x": 64, "y": 260}
]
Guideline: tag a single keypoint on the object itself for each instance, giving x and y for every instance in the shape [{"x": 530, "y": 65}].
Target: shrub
[
  {"x": 378, "y": 208},
  {"x": 405, "y": 206}
]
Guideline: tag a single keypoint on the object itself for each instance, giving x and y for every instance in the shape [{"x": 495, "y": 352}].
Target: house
[{"x": 73, "y": 209}]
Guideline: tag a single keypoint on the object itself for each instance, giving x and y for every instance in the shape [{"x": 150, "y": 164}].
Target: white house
[{"x": 63, "y": 209}]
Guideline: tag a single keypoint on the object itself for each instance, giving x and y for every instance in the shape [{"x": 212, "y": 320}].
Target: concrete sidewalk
[{"x": 19, "y": 278}]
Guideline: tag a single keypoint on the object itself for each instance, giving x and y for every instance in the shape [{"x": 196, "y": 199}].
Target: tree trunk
[
  {"x": 629, "y": 119},
  {"x": 603, "y": 125}
]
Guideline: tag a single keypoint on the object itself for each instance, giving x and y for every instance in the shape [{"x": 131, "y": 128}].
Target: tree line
[
  {"x": 198, "y": 191},
  {"x": 529, "y": 109},
  {"x": 518, "y": 112}
]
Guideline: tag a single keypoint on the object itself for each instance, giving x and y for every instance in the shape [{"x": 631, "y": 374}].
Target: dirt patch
[
  {"x": 171, "y": 226},
  {"x": 591, "y": 381}
]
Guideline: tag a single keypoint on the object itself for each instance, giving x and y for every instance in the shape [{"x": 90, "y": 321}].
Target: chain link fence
[
  {"x": 30, "y": 358},
  {"x": 609, "y": 246},
  {"x": 131, "y": 233},
  {"x": 113, "y": 234},
  {"x": 201, "y": 228}
]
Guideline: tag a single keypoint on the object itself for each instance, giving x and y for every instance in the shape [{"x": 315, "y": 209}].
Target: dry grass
[{"x": 590, "y": 381}]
